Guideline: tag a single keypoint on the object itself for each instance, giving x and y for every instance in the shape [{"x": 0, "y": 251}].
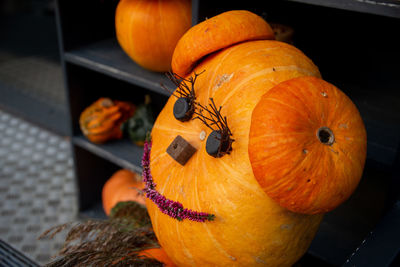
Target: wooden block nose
[{"x": 181, "y": 150}]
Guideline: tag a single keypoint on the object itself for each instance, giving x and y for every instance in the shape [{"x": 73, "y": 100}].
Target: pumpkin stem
[{"x": 325, "y": 136}]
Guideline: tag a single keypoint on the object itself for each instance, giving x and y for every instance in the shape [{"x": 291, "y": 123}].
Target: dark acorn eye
[
  {"x": 218, "y": 144},
  {"x": 183, "y": 109}
]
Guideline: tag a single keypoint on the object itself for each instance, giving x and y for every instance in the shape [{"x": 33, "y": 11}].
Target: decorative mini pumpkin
[
  {"x": 123, "y": 185},
  {"x": 206, "y": 206},
  {"x": 102, "y": 120},
  {"x": 148, "y": 30},
  {"x": 307, "y": 145}
]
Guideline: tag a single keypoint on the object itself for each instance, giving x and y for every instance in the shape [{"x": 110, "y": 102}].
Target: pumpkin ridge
[
  {"x": 220, "y": 62},
  {"x": 242, "y": 182},
  {"x": 182, "y": 7},
  {"x": 162, "y": 28},
  {"x": 172, "y": 171},
  {"x": 243, "y": 82},
  {"x": 308, "y": 110},
  {"x": 297, "y": 192},
  {"x": 180, "y": 131},
  {"x": 283, "y": 46},
  {"x": 186, "y": 250},
  {"x": 296, "y": 68},
  {"x": 350, "y": 158},
  {"x": 131, "y": 42},
  {"x": 272, "y": 99},
  {"x": 284, "y": 179},
  {"x": 211, "y": 235},
  {"x": 264, "y": 49},
  {"x": 216, "y": 243},
  {"x": 264, "y": 72}
]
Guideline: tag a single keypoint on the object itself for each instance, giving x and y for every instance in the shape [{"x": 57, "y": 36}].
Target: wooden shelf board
[
  {"x": 108, "y": 58},
  {"x": 387, "y": 8},
  {"x": 121, "y": 152}
]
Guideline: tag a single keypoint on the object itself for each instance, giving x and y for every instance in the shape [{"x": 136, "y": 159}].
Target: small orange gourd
[
  {"x": 307, "y": 145},
  {"x": 249, "y": 228},
  {"x": 102, "y": 120},
  {"x": 148, "y": 30},
  {"x": 123, "y": 185}
]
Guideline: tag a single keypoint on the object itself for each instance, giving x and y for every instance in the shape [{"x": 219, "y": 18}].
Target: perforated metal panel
[{"x": 37, "y": 186}]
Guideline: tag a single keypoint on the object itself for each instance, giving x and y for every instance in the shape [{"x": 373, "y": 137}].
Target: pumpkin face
[
  {"x": 102, "y": 120},
  {"x": 307, "y": 145},
  {"x": 249, "y": 227},
  {"x": 208, "y": 193},
  {"x": 123, "y": 185},
  {"x": 148, "y": 30}
]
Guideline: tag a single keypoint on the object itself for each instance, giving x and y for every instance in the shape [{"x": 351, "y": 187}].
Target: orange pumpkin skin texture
[
  {"x": 218, "y": 32},
  {"x": 158, "y": 254},
  {"x": 123, "y": 185},
  {"x": 148, "y": 30},
  {"x": 101, "y": 121},
  {"x": 249, "y": 228},
  {"x": 307, "y": 145}
]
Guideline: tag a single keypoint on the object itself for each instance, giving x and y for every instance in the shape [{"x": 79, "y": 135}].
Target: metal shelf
[
  {"x": 387, "y": 8},
  {"x": 108, "y": 58},
  {"x": 121, "y": 152},
  {"x": 373, "y": 91}
]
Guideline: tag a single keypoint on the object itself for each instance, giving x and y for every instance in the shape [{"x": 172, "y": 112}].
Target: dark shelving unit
[
  {"x": 355, "y": 45},
  {"x": 108, "y": 58},
  {"x": 122, "y": 153},
  {"x": 390, "y": 8}
]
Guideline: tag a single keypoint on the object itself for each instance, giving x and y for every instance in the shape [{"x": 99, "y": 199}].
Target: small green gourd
[{"x": 140, "y": 124}]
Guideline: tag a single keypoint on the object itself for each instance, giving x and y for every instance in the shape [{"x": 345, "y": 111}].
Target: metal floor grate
[
  {"x": 37, "y": 187},
  {"x": 11, "y": 257}
]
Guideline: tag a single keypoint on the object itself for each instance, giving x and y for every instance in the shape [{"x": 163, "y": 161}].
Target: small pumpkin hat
[{"x": 216, "y": 33}]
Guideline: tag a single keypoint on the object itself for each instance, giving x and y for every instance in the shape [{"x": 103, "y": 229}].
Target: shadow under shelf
[{"x": 108, "y": 58}]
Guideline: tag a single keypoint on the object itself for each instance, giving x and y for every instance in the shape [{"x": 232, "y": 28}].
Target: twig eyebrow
[{"x": 215, "y": 117}]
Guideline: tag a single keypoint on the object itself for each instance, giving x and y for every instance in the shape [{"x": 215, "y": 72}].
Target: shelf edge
[
  {"x": 96, "y": 149},
  {"x": 114, "y": 72}
]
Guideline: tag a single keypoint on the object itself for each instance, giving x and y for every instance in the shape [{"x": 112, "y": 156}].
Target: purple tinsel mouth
[{"x": 172, "y": 208}]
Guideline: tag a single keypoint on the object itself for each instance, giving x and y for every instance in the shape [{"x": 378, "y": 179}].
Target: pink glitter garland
[{"x": 171, "y": 208}]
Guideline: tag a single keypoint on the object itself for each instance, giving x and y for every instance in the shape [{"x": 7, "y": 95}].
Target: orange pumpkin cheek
[
  {"x": 307, "y": 145},
  {"x": 249, "y": 227}
]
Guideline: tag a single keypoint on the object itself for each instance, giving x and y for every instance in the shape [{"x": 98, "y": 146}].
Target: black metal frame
[{"x": 9, "y": 256}]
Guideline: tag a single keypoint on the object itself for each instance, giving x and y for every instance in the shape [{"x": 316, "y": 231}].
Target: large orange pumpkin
[
  {"x": 123, "y": 185},
  {"x": 307, "y": 145},
  {"x": 148, "y": 30},
  {"x": 249, "y": 228}
]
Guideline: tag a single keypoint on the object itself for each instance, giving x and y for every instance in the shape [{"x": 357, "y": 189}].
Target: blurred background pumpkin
[
  {"x": 123, "y": 185},
  {"x": 101, "y": 121},
  {"x": 148, "y": 30}
]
